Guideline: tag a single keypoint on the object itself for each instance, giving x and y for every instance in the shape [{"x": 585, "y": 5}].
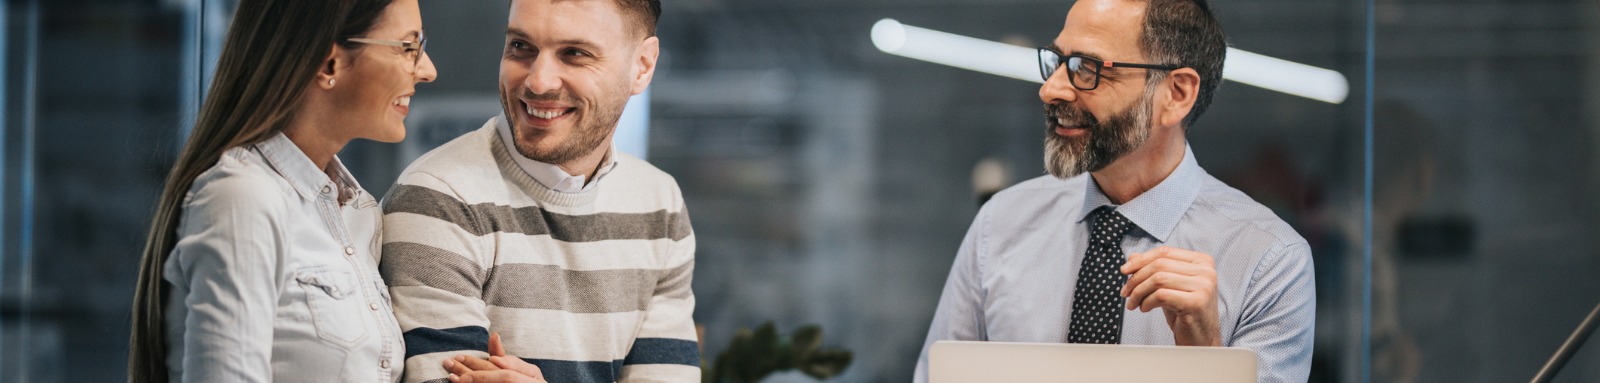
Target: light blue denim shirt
[
  {"x": 273, "y": 279},
  {"x": 1015, "y": 272}
]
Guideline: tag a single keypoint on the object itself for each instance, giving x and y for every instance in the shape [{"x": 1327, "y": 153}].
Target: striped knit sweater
[{"x": 590, "y": 287}]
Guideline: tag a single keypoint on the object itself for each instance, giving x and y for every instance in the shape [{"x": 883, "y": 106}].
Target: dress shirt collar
[
  {"x": 1159, "y": 209},
  {"x": 549, "y": 175},
  {"x": 290, "y": 162}
]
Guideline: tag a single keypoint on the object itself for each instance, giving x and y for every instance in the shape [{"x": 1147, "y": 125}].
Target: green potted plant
[{"x": 753, "y": 355}]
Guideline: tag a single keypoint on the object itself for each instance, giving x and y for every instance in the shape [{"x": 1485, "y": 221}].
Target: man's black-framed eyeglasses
[{"x": 1083, "y": 70}]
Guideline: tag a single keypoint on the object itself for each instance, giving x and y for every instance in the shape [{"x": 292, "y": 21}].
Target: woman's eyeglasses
[{"x": 413, "y": 49}]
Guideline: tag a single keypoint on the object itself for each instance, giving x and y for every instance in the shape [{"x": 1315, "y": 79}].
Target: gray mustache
[{"x": 1052, "y": 112}]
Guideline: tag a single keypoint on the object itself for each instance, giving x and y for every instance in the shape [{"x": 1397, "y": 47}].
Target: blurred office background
[{"x": 830, "y": 183}]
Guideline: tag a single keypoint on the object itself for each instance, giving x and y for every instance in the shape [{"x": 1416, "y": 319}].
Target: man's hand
[
  {"x": 498, "y": 368},
  {"x": 1183, "y": 284}
]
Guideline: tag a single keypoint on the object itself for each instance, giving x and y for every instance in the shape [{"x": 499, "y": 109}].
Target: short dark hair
[
  {"x": 646, "y": 12},
  {"x": 1185, "y": 33}
]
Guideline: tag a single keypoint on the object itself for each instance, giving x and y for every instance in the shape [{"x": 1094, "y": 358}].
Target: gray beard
[{"x": 1069, "y": 157}]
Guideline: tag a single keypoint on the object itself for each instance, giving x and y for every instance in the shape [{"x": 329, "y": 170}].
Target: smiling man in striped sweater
[{"x": 534, "y": 228}]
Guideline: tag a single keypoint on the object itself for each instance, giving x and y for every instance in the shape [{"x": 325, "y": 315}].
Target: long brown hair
[{"x": 272, "y": 53}]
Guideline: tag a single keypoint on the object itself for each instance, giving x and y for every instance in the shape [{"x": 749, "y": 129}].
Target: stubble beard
[{"x": 589, "y": 131}]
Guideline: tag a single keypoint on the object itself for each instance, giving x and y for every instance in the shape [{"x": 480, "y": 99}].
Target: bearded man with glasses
[{"x": 1128, "y": 240}]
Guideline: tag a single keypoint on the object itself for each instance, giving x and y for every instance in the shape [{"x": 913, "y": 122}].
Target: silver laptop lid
[{"x": 975, "y": 362}]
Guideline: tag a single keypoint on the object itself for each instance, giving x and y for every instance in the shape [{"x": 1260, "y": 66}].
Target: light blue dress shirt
[
  {"x": 1015, "y": 272},
  {"x": 274, "y": 279}
]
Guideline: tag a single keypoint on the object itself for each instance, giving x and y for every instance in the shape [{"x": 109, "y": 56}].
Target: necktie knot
[{"x": 1109, "y": 225}]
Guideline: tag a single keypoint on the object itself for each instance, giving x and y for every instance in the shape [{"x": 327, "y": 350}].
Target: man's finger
[
  {"x": 454, "y": 366},
  {"x": 518, "y": 365},
  {"x": 475, "y": 364},
  {"x": 1137, "y": 293},
  {"x": 1161, "y": 265},
  {"x": 1173, "y": 300},
  {"x": 1163, "y": 281},
  {"x": 495, "y": 347},
  {"x": 1140, "y": 260},
  {"x": 1137, "y": 261},
  {"x": 1186, "y": 255},
  {"x": 498, "y": 376}
]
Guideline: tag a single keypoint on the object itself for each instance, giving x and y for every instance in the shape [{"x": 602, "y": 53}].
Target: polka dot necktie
[{"x": 1097, "y": 303}]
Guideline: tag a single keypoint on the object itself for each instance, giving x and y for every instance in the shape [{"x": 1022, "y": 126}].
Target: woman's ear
[
  {"x": 332, "y": 66},
  {"x": 649, "y": 52},
  {"x": 1183, "y": 87}
]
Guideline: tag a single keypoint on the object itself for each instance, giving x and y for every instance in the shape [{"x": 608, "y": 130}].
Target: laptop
[{"x": 964, "y": 362}]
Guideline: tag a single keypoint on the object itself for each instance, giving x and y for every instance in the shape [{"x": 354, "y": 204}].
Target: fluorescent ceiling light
[
  {"x": 955, "y": 50},
  {"x": 1285, "y": 76},
  {"x": 1020, "y": 63}
]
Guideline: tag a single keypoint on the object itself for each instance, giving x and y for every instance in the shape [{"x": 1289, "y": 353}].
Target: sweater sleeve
[
  {"x": 666, "y": 348},
  {"x": 436, "y": 264}
]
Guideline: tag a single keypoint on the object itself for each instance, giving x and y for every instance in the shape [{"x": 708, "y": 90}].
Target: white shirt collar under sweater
[{"x": 552, "y": 176}]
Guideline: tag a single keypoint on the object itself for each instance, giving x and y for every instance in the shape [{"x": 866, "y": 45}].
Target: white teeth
[
  {"x": 543, "y": 113},
  {"x": 1062, "y": 122},
  {"x": 403, "y": 101}
]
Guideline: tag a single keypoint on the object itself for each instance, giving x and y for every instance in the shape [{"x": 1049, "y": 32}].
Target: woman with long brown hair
[{"x": 260, "y": 262}]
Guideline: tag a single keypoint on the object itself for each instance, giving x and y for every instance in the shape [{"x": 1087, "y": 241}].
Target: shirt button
[
  {"x": 348, "y": 250},
  {"x": 384, "y": 363},
  {"x": 374, "y": 306},
  {"x": 326, "y": 189}
]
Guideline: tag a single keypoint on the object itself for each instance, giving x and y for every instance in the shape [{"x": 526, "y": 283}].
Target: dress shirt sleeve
[
  {"x": 960, "y": 312},
  {"x": 666, "y": 348},
  {"x": 228, "y": 261},
  {"x": 1280, "y": 314},
  {"x": 436, "y": 264}
]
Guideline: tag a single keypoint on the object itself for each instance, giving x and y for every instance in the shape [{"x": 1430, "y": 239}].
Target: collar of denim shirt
[{"x": 293, "y": 164}]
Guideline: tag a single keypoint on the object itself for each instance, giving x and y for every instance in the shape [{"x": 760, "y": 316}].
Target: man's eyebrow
[
  {"x": 577, "y": 42},
  {"x": 1086, "y": 54},
  {"x": 518, "y": 34}
]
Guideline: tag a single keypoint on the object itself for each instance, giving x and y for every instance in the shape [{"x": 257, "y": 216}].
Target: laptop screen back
[{"x": 964, "y": 362}]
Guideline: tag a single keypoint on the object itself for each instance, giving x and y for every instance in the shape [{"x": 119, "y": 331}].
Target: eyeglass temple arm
[
  {"x": 401, "y": 44},
  {"x": 1112, "y": 64}
]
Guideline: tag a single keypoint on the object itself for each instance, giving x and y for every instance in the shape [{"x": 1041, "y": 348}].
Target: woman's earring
[{"x": 330, "y": 82}]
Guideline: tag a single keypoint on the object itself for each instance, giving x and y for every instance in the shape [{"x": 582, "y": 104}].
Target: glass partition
[
  {"x": 96, "y": 93},
  {"x": 1485, "y": 172},
  {"x": 830, "y": 180}
]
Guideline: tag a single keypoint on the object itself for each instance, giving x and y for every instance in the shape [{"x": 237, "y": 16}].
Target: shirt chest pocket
[{"x": 337, "y": 309}]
